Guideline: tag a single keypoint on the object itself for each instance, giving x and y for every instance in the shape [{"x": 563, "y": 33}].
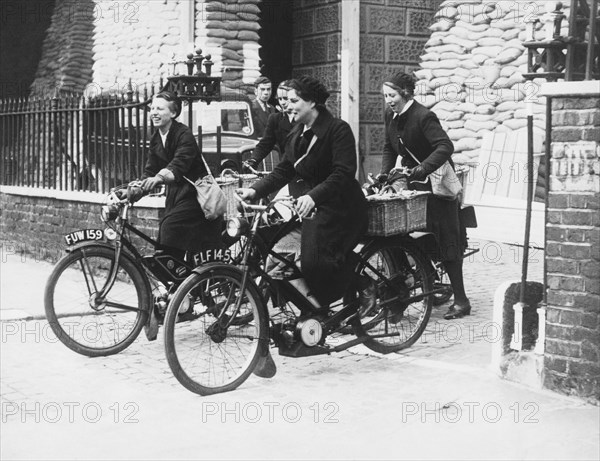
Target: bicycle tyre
[
  {"x": 67, "y": 302},
  {"x": 394, "y": 325},
  {"x": 259, "y": 257},
  {"x": 203, "y": 358}
]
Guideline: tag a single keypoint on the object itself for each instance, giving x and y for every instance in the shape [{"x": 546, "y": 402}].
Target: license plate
[{"x": 84, "y": 235}]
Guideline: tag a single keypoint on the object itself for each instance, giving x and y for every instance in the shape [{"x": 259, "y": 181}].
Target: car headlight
[{"x": 236, "y": 227}]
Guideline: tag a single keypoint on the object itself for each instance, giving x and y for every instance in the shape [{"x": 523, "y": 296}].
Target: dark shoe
[
  {"x": 151, "y": 327},
  {"x": 265, "y": 368},
  {"x": 367, "y": 296},
  {"x": 457, "y": 311}
]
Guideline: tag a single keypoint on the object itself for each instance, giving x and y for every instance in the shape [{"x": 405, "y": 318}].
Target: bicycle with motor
[
  {"x": 102, "y": 293},
  {"x": 214, "y": 353}
]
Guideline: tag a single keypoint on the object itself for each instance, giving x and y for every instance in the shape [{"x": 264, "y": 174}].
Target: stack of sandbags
[
  {"x": 136, "y": 43},
  {"x": 228, "y": 30},
  {"x": 66, "y": 61},
  {"x": 472, "y": 70}
]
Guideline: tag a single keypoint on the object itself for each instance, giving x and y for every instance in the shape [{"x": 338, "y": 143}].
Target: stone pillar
[
  {"x": 393, "y": 35},
  {"x": 571, "y": 362},
  {"x": 317, "y": 44}
]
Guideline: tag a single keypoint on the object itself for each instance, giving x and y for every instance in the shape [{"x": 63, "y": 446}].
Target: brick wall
[
  {"x": 35, "y": 225},
  {"x": 392, "y": 36},
  {"x": 573, "y": 250}
]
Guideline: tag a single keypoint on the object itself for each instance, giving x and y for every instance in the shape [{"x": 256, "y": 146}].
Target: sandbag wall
[
  {"x": 228, "y": 30},
  {"x": 471, "y": 70}
]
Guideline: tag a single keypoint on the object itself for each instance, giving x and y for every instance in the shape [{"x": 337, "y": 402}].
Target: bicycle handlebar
[{"x": 287, "y": 201}]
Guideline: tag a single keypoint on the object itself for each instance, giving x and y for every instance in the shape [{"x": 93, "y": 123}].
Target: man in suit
[
  {"x": 276, "y": 132},
  {"x": 261, "y": 109}
]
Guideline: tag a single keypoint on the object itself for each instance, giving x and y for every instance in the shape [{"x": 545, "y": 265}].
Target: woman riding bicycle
[
  {"x": 411, "y": 129},
  {"x": 319, "y": 167},
  {"x": 174, "y": 156}
]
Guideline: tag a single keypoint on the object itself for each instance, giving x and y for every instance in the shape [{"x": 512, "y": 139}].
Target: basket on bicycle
[
  {"x": 391, "y": 214},
  {"x": 229, "y": 183}
]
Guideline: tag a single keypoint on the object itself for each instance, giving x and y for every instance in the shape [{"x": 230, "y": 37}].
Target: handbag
[
  {"x": 444, "y": 181},
  {"x": 211, "y": 198}
]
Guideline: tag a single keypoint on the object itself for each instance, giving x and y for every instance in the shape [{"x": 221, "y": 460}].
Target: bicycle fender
[
  {"x": 98, "y": 243},
  {"x": 95, "y": 243}
]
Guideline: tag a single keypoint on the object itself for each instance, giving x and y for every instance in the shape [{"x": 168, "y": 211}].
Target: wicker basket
[
  {"x": 397, "y": 214},
  {"x": 229, "y": 184}
]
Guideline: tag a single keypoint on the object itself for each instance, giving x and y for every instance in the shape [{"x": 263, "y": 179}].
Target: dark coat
[
  {"x": 327, "y": 175},
  {"x": 275, "y": 136},
  {"x": 260, "y": 117},
  {"x": 183, "y": 225},
  {"x": 424, "y": 136}
]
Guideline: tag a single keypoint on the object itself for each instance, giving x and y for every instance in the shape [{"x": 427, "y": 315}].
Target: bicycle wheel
[
  {"x": 401, "y": 312},
  {"x": 208, "y": 353},
  {"x": 80, "y": 319},
  {"x": 258, "y": 257}
]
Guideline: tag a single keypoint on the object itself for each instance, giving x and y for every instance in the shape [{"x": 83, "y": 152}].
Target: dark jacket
[
  {"x": 424, "y": 136},
  {"x": 327, "y": 175},
  {"x": 183, "y": 225},
  {"x": 421, "y": 133},
  {"x": 260, "y": 117},
  {"x": 275, "y": 136}
]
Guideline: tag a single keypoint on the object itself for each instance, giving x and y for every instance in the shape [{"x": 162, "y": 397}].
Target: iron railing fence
[{"x": 74, "y": 142}]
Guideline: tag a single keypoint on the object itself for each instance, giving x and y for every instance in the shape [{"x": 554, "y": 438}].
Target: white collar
[
  {"x": 405, "y": 108},
  {"x": 163, "y": 137}
]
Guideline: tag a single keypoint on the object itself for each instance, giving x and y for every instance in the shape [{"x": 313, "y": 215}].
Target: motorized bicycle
[
  {"x": 212, "y": 352},
  {"x": 104, "y": 291}
]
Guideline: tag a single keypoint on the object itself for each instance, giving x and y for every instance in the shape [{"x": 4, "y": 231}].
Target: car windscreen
[{"x": 233, "y": 116}]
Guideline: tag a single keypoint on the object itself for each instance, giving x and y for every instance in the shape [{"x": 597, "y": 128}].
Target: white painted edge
[
  {"x": 582, "y": 88},
  {"x": 497, "y": 319},
  {"x": 76, "y": 196}
]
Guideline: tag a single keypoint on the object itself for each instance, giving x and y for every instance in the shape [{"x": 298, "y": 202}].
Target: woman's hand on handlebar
[
  {"x": 246, "y": 193},
  {"x": 304, "y": 205}
]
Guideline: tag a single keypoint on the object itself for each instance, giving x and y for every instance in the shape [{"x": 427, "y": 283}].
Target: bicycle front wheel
[
  {"x": 208, "y": 350},
  {"x": 401, "y": 280},
  {"x": 85, "y": 321}
]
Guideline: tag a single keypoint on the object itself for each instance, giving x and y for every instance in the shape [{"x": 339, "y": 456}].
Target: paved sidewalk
[{"x": 436, "y": 400}]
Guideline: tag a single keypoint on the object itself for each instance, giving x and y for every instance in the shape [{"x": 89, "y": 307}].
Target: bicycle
[
  {"x": 102, "y": 293},
  {"x": 211, "y": 353}
]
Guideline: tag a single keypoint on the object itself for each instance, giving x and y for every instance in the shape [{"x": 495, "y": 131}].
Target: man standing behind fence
[{"x": 261, "y": 109}]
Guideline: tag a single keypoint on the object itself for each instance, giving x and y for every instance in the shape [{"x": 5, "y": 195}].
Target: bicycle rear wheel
[
  {"x": 400, "y": 315},
  {"x": 82, "y": 321},
  {"x": 210, "y": 352}
]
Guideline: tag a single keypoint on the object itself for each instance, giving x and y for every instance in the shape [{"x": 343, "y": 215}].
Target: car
[
  {"x": 116, "y": 138},
  {"x": 225, "y": 133}
]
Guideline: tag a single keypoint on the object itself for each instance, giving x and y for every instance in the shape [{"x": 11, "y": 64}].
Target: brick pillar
[{"x": 571, "y": 364}]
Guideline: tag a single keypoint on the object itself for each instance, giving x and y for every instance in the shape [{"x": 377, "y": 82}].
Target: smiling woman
[{"x": 174, "y": 154}]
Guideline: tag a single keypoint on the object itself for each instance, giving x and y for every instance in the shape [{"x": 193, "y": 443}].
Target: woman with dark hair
[
  {"x": 412, "y": 129},
  {"x": 319, "y": 166},
  {"x": 174, "y": 154}
]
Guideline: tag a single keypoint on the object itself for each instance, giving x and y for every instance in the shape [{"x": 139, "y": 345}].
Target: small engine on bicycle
[{"x": 307, "y": 330}]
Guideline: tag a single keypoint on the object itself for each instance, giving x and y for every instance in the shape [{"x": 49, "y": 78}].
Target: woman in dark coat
[
  {"x": 174, "y": 154},
  {"x": 319, "y": 166},
  {"x": 421, "y": 133}
]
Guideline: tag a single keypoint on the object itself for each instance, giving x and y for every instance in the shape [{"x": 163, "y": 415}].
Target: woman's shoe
[{"x": 457, "y": 311}]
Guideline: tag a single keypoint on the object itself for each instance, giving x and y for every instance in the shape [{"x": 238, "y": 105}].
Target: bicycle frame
[{"x": 287, "y": 292}]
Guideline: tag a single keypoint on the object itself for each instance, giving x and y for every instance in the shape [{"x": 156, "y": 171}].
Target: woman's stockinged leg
[{"x": 461, "y": 306}]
